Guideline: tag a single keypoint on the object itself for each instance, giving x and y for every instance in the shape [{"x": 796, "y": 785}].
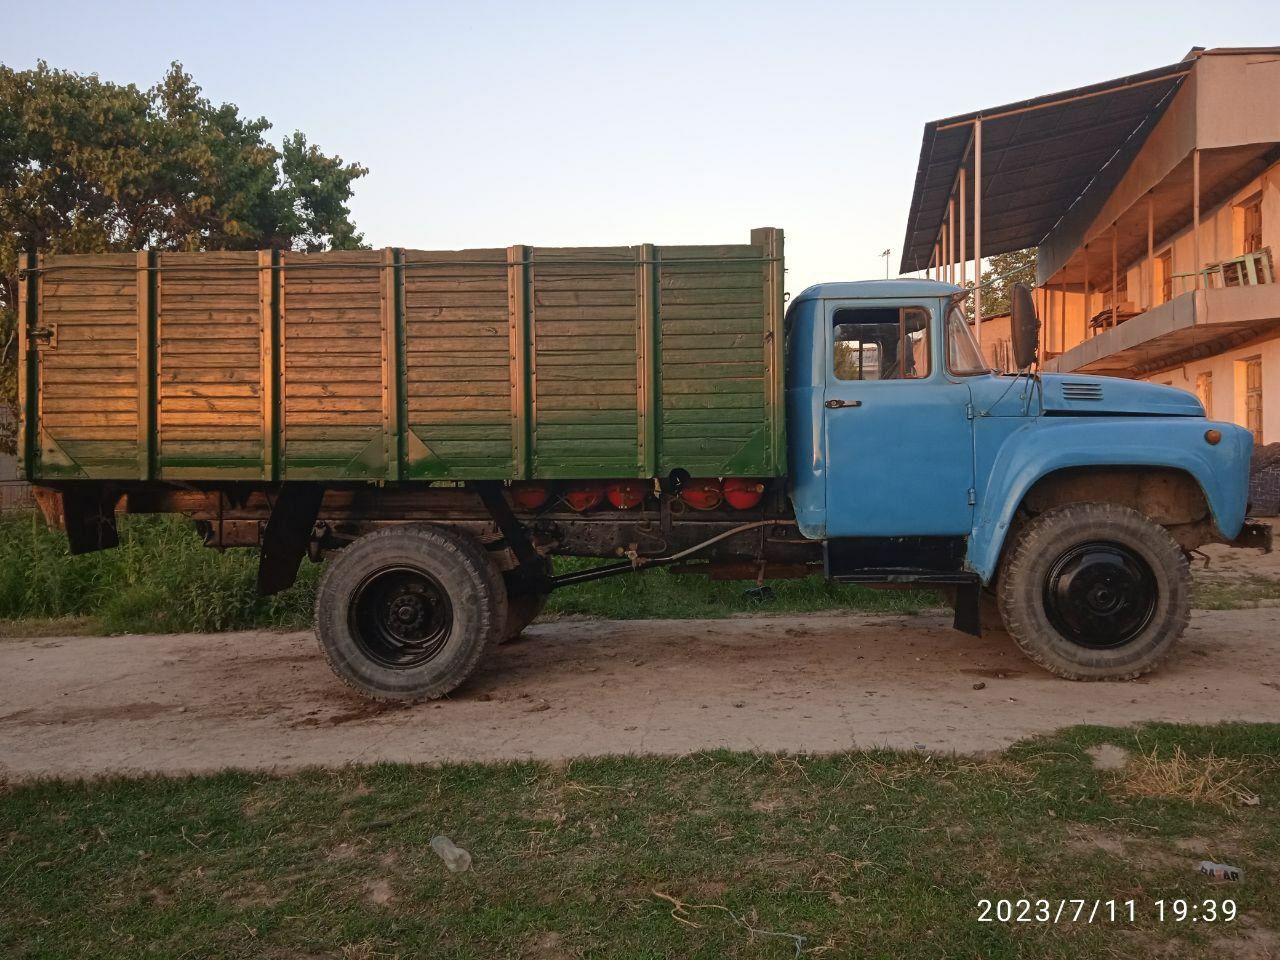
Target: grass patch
[
  {"x": 1206, "y": 779},
  {"x": 715, "y": 855},
  {"x": 162, "y": 579},
  {"x": 1215, "y": 592},
  {"x": 662, "y": 595}
]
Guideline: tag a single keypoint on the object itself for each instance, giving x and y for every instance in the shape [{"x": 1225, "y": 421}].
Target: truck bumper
[{"x": 1255, "y": 535}]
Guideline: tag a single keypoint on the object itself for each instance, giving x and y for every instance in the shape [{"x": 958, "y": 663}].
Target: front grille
[{"x": 1081, "y": 390}]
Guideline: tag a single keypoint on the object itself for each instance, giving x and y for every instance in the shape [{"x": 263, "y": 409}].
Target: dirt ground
[{"x": 188, "y": 703}]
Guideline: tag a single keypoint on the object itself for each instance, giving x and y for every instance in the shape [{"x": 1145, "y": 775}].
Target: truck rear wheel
[
  {"x": 1095, "y": 591},
  {"x": 407, "y": 613}
]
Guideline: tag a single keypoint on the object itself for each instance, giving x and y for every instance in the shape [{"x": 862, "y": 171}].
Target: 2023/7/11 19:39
[{"x": 1180, "y": 910}]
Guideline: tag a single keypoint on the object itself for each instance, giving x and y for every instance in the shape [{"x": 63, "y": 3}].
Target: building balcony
[{"x": 1190, "y": 326}]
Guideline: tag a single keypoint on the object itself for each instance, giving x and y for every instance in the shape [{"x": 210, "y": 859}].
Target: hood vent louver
[{"x": 1081, "y": 390}]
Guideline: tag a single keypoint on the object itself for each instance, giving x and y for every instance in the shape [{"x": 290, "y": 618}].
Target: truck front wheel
[
  {"x": 407, "y": 613},
  {"x": 1095, "y": 591}
]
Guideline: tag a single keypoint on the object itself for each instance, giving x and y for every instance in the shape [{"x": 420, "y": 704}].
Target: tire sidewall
[
  {"x": 1043, "y": 541},
  {"x": 461, "y": 568}
]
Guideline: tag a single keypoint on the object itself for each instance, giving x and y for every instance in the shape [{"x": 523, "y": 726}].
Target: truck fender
[{"x": 1048, "y": 444}]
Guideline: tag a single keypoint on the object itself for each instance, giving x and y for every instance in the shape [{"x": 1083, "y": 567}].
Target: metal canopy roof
[{"x": 1038, "y": 156}]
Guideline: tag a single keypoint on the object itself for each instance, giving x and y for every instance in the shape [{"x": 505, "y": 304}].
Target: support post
[
  {"x": 977, "y": 229},
  {"x": 269, "y": 337},
  {"x": 1088, "y": 296},
  {"x": 392, "y": 324},
  {"x": 1062, "y": 317},
  {"x": 518, "y": 341},
  {"x": 646, "y": 360},
  {"x": 1195, "y": 211},
  {"x": 28, "y": 378},
  {"x": 771, "y": 238},
  {"x": 1115, "y": 275},
  {"x": 951, "y": 239},
  {"x": 964, "y": 225},
  {"x": 1151, "y": 252}
]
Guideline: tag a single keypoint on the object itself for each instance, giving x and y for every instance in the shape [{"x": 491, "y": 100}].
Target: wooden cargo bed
[{"x": 399, "y": 364}]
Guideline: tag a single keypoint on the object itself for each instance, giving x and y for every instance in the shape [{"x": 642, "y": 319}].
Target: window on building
[
  {"x": 1166, "y": 275},
  {"x": 1253, "y": 225},
  {"x": 881, "y": 343},
  {"x": 1204, "y": 390},
  {"x": 1253, "y": 398}
]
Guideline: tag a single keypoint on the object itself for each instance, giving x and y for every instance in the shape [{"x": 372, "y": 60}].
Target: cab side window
[{"x": 881, "y": 343}]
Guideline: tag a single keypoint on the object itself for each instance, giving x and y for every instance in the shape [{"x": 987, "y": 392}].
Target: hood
[{"x": 1086, "y": 395}]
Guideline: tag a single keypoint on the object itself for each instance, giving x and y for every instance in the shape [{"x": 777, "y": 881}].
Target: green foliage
[
  {"x": 160, "y": 578},
  {"x": 1003, "y": 271},
  {"x": 8, "y": 378},
  {"x": 90, "y": 166}
]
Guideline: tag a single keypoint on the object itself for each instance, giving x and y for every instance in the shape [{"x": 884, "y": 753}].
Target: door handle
[{"x": 837, "y": 404}]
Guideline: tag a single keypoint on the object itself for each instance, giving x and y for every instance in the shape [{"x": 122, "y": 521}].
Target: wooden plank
[
  {"x": 706, "y": 296},
  {"x": 713, "y": 311},
  {"x": 420, "y": 404},
  {"x": 771, "y": 240},
  {"x": 338, "y": 386},
  {"x": 393, "y": 427},
  {"x": 520, "y": 334},
  {"x": 587, "y": 404},
  {"x": 296, "y": 404},
  {"x": 82, "y": 404},
  {"x": 739, "y": 325},
  {"x": 626, "y": 313},
  {"x": 269, "y": 375},
  {"x": 741, "y": 278},
  {"x": 215, "y": 406}
]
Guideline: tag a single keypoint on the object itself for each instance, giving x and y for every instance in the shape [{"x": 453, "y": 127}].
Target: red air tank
[
  {"x": 625, "y": 494},
  {"x": 529, "y": 496},
  {"x": 743, "y": 494},
  {"x": 702, "y": 494},
  {"x": 584, "y": 496}
]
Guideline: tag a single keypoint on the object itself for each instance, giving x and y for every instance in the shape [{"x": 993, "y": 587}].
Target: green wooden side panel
[
  {"x": 713, "y": 331},
  {"x": 86, "y": 367},
  {"x": 511, "y": 363},
  {"x": 331, "y": 394},
  {"x": 582, "y": 314},
  {"x": 458, "y": 365}
]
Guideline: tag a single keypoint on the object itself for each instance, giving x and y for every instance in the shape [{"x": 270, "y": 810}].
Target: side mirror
[{"x": 1024, "y": 329}]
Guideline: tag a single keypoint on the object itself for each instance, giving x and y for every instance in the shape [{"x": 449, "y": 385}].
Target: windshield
[{"x": 964, "y": 356}]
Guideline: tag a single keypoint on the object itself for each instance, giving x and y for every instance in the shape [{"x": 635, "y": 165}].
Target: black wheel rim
[
  {"x": 401, "y": 617},
  {"x": 1100, "y": 595}
]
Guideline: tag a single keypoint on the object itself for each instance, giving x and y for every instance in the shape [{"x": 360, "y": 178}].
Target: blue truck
[{"x": 437, "y": 426}]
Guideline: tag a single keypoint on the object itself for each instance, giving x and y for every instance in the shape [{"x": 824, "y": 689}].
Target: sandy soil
[{"x": 185, "y": 703}]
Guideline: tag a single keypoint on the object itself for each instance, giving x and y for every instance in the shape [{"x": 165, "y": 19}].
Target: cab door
[{"x": 897, "y": 427}]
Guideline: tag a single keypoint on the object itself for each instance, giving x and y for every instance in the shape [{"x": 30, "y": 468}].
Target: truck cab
[{"x": 1069, "y": 503}]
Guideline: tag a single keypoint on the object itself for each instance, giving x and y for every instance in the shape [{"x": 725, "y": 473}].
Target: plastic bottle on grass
[
  {"x": 1221, "y": 871},
  {"x": 454, "y": 857}
]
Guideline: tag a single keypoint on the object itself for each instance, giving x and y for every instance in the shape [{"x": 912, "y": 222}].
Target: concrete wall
[{"x": 1226, "y": 401}]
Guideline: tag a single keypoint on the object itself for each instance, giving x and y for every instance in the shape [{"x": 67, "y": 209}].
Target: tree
[
  {"x": 88, "y": 166},
  {"x": 1002, "y": 272}
]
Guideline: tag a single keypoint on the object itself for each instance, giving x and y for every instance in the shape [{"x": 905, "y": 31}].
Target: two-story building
[{"x": 1154, "y": 204}]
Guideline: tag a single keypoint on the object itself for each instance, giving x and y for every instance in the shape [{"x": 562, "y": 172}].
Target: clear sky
[{"x": 487, "y": 123}]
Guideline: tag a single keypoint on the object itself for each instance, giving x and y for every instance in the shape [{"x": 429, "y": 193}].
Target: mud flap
[
  {"x": 287, "y": 535},
  {"x": 968, "y": 615}
]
